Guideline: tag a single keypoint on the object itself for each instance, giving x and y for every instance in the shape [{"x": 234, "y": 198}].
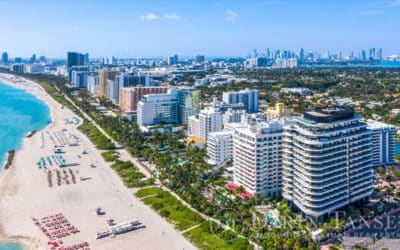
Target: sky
[{"x": 157, "y": 28}]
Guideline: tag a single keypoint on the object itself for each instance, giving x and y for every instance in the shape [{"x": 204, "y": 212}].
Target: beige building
[{"x": 105, "y": 76}]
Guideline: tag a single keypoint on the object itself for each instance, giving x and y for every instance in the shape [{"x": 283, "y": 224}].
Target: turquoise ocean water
[
  {"x": 20, "y": 113},
  {"x": 10, "y": 246}
]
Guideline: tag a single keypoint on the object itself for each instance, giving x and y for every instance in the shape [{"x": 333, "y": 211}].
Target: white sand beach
[{"x": 25, "y": 191}]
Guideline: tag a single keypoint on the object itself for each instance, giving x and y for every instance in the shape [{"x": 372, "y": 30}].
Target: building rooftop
[
  {"x": 372, "y": 124},
  {"x": 329, "y": 114},
  {"x": 194, "y": 139}
]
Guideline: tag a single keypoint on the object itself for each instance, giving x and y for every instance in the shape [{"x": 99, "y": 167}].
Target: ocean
[
  {"x": 20, "y": 113},
  {"x": 10, "y": 246}
]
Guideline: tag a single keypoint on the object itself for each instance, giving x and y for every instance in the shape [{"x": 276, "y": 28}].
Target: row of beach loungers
[
  {"x": 55, "y": 226},
  {"x": 64, "y": 176},
  {"x": 52, "y": 160}
]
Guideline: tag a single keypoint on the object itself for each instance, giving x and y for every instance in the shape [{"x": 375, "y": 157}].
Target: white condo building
[
  {"x": 158, "y": 108},
  {"x": 208, "y": 120},
  {"x": 383, "y": 143},
  {"x": 326, "y": 161},
  {"x": 257, "y": 157},
  {"x": 219, "y": 147},
  {"x": 234, "y": 116}
]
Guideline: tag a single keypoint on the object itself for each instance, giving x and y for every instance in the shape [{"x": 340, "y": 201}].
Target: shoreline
[
  {"x": 32, "y": 91},
  {"x": 25, "y": 242},
  {"x": 104, "y": 188}
]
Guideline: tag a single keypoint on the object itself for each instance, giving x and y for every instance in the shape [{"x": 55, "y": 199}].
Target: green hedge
[
  {"x": 170, "y": 208},
  {"x": 211, "y": 238},
  {"x": 148, "y": 191},
  {"x": 110, "y": 156},
  {"x": 130, "y": 175},
  {"x": 98, "y": 139}
]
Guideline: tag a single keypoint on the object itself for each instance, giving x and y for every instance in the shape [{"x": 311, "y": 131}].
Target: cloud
[
  {"x": 371, "y": 12},
  {"x": 393, "y": 3},
  {"x": 172, "y": 16},
  {"x": 231, "y": 15},
  {"x": 149, "y": 17}
]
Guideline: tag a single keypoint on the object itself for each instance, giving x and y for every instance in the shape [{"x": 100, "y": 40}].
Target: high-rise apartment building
[
  {"x": 129, "y": 97},
  {"x": 219, "y": 147},
  {"x": 257, "y": 157},
  {"x": 74, "y": 70},
  {"x": 158, "y": 108},
  {"x": 249, "y": 97},
  {"x": 326, "y": 161},
  {"x": 113, "y": 91},
  {"x": 383, "y": 143},
  {"x": 93, "y": 83},
  {"x": 188, "y": 103},
  {"x": 208, "y": 120},
  {"x": 104, "y": 76},
  {"x": 132, "y": 79},
  {"x": 75, "y": 59}
]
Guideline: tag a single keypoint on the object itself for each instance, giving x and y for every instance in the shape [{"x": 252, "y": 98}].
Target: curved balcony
[
  {"x": 328, "y": 185},
  {"x": 316, "y": 212},
  {"x": 320, "y": 205}
]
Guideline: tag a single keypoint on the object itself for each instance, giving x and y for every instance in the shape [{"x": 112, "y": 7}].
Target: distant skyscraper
[
  {"x": 42, "y": 59},
  {"x": 380, "y": 54},
  {"x": 75, "y": 59},
  {"x": 268, "y": 54},
  {"x": 371, "y": 53},
  {"x": 172, "y": 60},
  {"x": 302, "y": 54},
  {"x": 86, "y": 58},
  {"x": 4, "y": 57},
  {"x": 199, "y": 59},
  {"x": 33, "y": 58},
  {"x": 363, "y": 55},
  {"x": 18, "y": 60}
]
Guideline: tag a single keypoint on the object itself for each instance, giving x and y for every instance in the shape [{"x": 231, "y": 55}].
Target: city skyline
[{"x": 213, "y": 28}]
